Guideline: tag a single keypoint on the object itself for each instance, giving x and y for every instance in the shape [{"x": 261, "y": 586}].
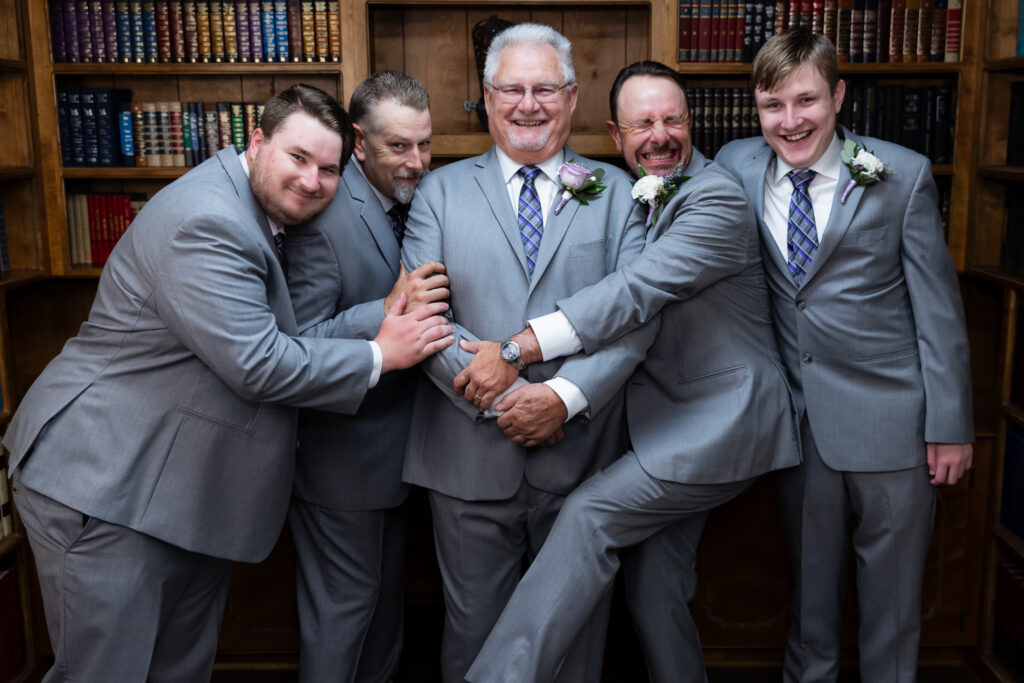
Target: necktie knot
[
  {"x": 801, "y": 178},
  {"x": 529, "y": 174}
]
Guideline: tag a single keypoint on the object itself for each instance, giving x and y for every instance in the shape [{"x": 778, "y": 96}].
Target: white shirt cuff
[
  {"x": 491, "y": 412},
  {"x": 556, "y": 335},
  {"x": 573, "y": 398},
  {"x": 378, "y": 362}
]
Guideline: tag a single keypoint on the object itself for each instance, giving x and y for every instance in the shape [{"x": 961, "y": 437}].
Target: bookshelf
[{"x": 46, "y": 296}]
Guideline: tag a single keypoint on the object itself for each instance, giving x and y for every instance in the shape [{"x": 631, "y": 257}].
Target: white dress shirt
[
  {"x": 378, "y": 357},
  {"x": 778, "y": 189},
  {"x": 547, "y": 186}
]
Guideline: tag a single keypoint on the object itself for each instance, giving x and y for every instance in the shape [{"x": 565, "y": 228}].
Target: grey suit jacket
[
  {"x": 874, "y": 339},
  {"x": 170, "y": 412},
  {"x": 462, "y": 216},
  {"x": 710, "y": 403},
  {"x": 341, "y": 266}
]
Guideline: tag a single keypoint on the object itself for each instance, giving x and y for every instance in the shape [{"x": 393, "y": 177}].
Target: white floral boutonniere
[
  {"x": 865, "y": 167},
  {"x": 656, "y": 192},
  {"x": 578, "y": 180}
]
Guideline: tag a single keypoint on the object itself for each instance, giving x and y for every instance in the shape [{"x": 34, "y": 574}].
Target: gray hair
[
  {"x": 395, "y": 86},
  {"x": 530, "y": 34}
]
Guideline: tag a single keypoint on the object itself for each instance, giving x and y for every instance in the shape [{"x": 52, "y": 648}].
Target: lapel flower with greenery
[
  {"x": 578, "y": 180},
  {"x": 865, "y": 168},
  {"x": 656, "y": 192}
]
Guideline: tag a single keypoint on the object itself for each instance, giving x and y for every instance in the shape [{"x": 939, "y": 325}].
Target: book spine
[
  {"x": 163, "y": 30},
  {"x": 294, "y": 22},
  {"x": 121, "y": 105},
  {"x": 70, "y": 15},
  {"x": 90, "y": 141},
  {"x": 830, "y": 10},
  {"x": 184, "y": 123},
  {"x": 912, "y": 14},
  {"x": 954, "y": 12},
  {"x": 884, "y": 15},
  {"x": 923, "y": 51},
  {"x": 217, "y": 32},
  {"x": 205, "y": 38},
  {"x": 140, "y": 141},
  {"x": 870, "y": 31},
  {"x": 333, "y": 31},
  {"x": 99, "y": 41},
  {"x": 256, "y": 30},
  {"x": 108, "y": 12},
  {"x": 320, "y": 26},
  {"x": 237, "y": 125},
  {"x": 149, "y": 32},
  {"x": 898, "y": 19},
  {"x": 83, "y": 18},
  {"x": 223, "y": 125},
  {"x": 138, "y": 29},
  {"x": 281, "y": 30},
  {"x": 57, "y": 31},
  {"x": 154, "y": 135},
  {"x": 176, "y": 17},
  {"x": 199, "y": 131},
  {"x": 176, "y": 132},
  {"x": 857, "y": 31},
  {"x": 938, "y": 42},
  {"x": 124, "y": 31},
  {"x": 230, "y": 27},
  {"x": 64, "y": 126},
  {"x": 242, "y": 30},
  {"x": 268, "y": 27},
  {"x": 818, "y": 16},
  {"x": 843, "y": 31},
  {"x": 747, "y": 54},
  {"x": 190, "y": 29},
  {"x": 105, "y": 150},
  {"x": 211, "y": 128},
  {"x": 249, "y": 120}
]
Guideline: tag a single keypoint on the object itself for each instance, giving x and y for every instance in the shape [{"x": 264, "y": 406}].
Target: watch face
[{"x": 510, "y": 351}]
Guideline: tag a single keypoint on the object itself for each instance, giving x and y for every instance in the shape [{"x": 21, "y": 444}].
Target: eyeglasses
[{"x": 513, "y": 94}]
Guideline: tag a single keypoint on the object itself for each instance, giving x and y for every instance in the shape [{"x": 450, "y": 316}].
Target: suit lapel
[
  {"x": 495, "y": 191},
  {"x": 754, "y": 180},
  {"x": 841, "y": 216},
  {"x": 373, "y": 218},
  {"x": 555, "y": 229},
  {"x": 228, "y": 158}
]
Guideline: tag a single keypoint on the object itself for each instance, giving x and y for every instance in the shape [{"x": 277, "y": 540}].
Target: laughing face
[
  {"x": 798, "y": 119},
  {"x": 653, "y": 129},
  {"x": 529, "y": 131}
]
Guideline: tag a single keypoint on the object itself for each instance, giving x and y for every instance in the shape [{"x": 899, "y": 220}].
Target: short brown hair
[
  {"x": 647, "y": 67},
  {"x": 318, "y": 104},
  {"x": 788, "y": 50}
]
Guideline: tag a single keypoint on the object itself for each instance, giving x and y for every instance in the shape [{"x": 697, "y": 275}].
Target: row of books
[
  {"x": 862, "y": 30},
  {"x": 721, "y": 115},
  {"x": 5, "y": 257},
  {"x": 104, "y": 127},
  {"x": 168, "y": 31},
  {"x": 96, "y": 222},
  {"x": 919, "y": 117}
]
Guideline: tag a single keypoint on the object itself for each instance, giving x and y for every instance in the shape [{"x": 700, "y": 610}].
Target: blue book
[
  {"x": 75, "y": 132},
  {"x": 149, "y": 30},
  {"x": 269, "y": 22},
  {"x": 1020, "y": 30},
  {"x": 281, "y": 28},
  {"x": 90, "y": 138},
  {"x": 124, "y": 31},
  {"x": 105, "y": 129},
  {"x": 138, "y": 30},
  {"x": 121, "y": 105},
  {"x": 64, "y": 126}
]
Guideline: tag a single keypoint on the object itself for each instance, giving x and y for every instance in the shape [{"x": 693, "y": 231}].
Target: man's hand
[
  {"x": 533, "y": 416},
  {"x": 947, "y": 462},
  {"x": 405, "y": 340},
  {"x": 426, "y": 284},
  {"x": 487, "y": 376}
]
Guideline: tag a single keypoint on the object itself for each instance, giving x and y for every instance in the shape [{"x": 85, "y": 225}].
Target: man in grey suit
[
  {"x": 494, "y": 500},
  {"x": 708, "y": 410},
  {"x": 158, "y": 446},
  {"x": 347, "y": 516},
  {"x": 871, "y": 327}
]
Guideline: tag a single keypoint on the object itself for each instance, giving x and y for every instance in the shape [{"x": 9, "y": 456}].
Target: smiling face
[
  {"x": 395, "y": 151},
  {"x": 654, "y": 123},
  {"x": 529, "y": 131},
  {"x": 294, "y": 174},
  {"x": 798, "y": 119}
]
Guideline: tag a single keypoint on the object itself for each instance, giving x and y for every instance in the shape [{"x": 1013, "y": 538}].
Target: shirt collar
[
  {"x": 827, "y": 165},
  {"x": 274, "y": 227},
  {"x": 549, "y": 167}
]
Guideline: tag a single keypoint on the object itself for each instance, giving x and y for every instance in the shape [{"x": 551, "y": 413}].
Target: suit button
[
  {"x": 801, "y": 305},
  {"x": 805, "y": 358}
]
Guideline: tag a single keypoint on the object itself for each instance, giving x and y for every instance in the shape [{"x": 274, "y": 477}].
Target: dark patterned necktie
[
  {"x": 801, "y": 234},
  {"x": 397, "y": 215},
  {"x": 531, "y": 220},
  {"x": 279, "y": 239}
]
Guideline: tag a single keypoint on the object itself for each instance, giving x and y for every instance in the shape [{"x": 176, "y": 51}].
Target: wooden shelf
[
  {"x": 18, "y": 278},
  {"x": 1009, "y": 541},
  {"x": 1007, "y": 64},
  {"x": 17, "y": 172},
  {"x": 1000, "y": 276},
  {"x": 867, "y": 68},
  {"x": 1013, "y": 174},
  {"x": 190, "y": 69},
  {"x": 125, "y": 172},
  {"x": 942, "y": 169},
  {"x": 13, "y": 65}
]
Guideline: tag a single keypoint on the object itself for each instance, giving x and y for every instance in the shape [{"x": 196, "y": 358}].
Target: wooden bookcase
[
  {"x": 1001, "y": 643},
  {"x": 741, "y": 613}
]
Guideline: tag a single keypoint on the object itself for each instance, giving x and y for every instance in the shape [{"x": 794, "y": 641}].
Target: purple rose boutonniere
[
  {"x": 865, "y": 168},
  {"x": 578, "y": 180}
]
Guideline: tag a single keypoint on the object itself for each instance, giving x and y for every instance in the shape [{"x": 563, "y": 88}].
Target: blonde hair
[{"x": 786, "y": 51}]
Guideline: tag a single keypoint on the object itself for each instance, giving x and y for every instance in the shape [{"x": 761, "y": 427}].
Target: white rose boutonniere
[
  {"x": 865, "y": 168},
  {"x": 578, "y": 180},
  {"x": 656, "y": 192}
]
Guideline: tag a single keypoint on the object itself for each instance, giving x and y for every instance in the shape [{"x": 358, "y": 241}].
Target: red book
[
  {"x": 190, "y": 25},
  {"x": 163, "y": 31},
  {"x": 954, "y": 10},
  {"x": 684, "y": 30},
  {"x": 913, "y": 15},
  {"x": 923, "y": 52},
  {"x": 884, "y": 25},
  {"x": 938, "y": 49},
  {"x": 818, "y": 16},
  {"x": 716, "y": 30},
  {"x": 176, "y": 18},
  {"x": 704, "y": 29},
  {"x": 899, "y": 15},
  {"x": 793, "y": 12},
  {"x": 781, "y": 16},
  {"x": 294, "y": 30}
]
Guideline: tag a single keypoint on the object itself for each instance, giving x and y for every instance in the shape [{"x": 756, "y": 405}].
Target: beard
[
  {"x": 525, "y": 144},
  {"x": 403, "y": 192},
  {"x": 265, "y": 192}
]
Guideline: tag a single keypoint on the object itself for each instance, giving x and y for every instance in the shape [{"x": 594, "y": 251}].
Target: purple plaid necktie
[
  {"x": 801, "y": 235},
  {"x": 531, "y": 221}
]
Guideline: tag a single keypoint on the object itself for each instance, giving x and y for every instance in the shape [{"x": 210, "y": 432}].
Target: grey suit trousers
[
  {"x": 887, "y": 516},
  {"x": 618, "y": 507},
  {"x": 481, "y": 561},
  {"x": 121, "y": 605},
  {"x": 349, "y": 592}
]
